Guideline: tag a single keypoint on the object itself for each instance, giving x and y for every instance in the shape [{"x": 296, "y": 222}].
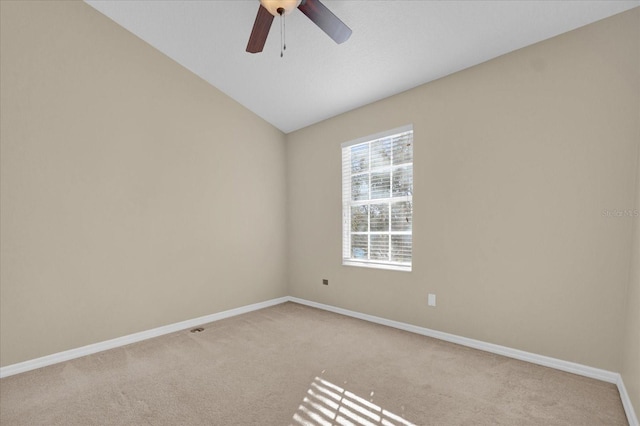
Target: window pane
[
  {"x": 380, "y": 247},
  {"x": 402, "y": 149},
  {"x": 359, "y": 218},
  {"x": 359, "y": 158},
  {"x": 401, "y": 216},
  {"x": 380, "y": 185},
  {"x": 381, "y": 153},
  {"x": 403, "y": 181},
  {"x": 379, "y": 217},
  {"x": 360, "y": 187},
  {"x": 359, "y": 248},
  {"x": 377, "y": 192},
  {"x": 401, "y": 248}
]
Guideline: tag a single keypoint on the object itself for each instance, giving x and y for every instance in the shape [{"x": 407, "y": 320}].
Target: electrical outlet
[
  {"x": 325, "y": 282},
  {"x": 432, "y": 299}
]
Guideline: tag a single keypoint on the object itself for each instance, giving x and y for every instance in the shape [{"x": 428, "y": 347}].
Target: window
[{"x": 377, "y": 200}]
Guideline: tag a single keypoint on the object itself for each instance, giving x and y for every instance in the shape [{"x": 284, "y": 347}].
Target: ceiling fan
[{"x": 314, "y": 9}]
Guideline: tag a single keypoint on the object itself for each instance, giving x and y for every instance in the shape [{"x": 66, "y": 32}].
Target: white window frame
[{"x": 347, "y": 203}]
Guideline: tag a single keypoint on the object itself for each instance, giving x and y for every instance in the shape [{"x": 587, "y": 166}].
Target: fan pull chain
[{"x": 281, "y": 33}]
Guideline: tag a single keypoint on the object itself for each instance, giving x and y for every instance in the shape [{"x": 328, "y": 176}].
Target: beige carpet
[{"x": 295, "y": 365}]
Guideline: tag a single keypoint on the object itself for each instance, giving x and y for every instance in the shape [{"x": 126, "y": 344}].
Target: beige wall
[
  {"x": 515, "y": 161},
  {"x": 134, "y": 194},
  {"x": 631, "y": 348}
]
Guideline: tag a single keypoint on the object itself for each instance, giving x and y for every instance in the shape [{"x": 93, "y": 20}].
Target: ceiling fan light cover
[{"x": 273, "y": 5}]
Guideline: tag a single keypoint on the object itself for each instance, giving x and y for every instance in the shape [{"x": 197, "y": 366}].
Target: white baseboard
[
  {"x": 558, "y": 364},
  {"x": 626, "y": 403},
  {"x": 33, "y": 364},
  {"x": 583, "y": 370},
  {"x": 571, "y": 367}
]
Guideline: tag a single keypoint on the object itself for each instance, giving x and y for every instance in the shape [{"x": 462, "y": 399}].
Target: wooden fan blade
[
  {"x": 326, "y": 20},
  {"x": 260, "y": 31}
]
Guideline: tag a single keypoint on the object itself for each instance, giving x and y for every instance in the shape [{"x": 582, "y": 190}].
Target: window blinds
[{"x": 377, "y": 200}]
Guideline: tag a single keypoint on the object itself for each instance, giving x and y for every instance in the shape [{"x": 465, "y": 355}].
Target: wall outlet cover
[{"x": 432, "y": 299}]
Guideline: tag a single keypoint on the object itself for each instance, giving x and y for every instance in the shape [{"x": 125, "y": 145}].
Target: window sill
[{"x": 402, "y": 268}]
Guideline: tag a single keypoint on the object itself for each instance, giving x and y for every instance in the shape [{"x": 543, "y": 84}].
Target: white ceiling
[{"x": 396, "y": 45}]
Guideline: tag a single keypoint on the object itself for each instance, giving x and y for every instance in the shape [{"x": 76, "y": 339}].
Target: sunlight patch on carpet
[{"x": 327, "y": 404}]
